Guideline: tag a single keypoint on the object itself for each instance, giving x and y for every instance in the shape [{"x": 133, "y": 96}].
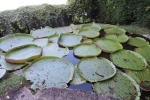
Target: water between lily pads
[{"x": 74, "y": 60}]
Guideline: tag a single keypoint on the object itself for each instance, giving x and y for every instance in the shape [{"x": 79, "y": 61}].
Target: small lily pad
[
  {"x": 13, "y": 40},
  {"x": 89, "y": 33},
  {"x": 43, "y": 32},
  {"x": 96, "y": 69},
  {"x": 23, "y": 53},
  {"x": 9, "y": 66},
  {"x": 127, "y": 59},
  {"x": 86, "y": 50},
  {"x": 69, "y": 40},
  {"x": 107, "y": 45},
  {"x": 53, "y": 38},
  {"x": 114, "y": 30},
  {"x": 121, "y": 87},
  {"x": 77, "y": 79},
  {"x": 2, "y": 72},
  {"x": 53, "y": 49},
  {"x": 138, "y": 41},
  {"x": 122, "y": 38},
  {"x": 145, "y": 52},
  {"x": 41, "y": 42},
  {"x": 49, "y": 71}
]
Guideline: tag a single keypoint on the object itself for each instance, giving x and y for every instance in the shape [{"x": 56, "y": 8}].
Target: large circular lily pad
[
  {"x": 23, "y": 53},
  {"x": 86, "y": 50},
  {"x": 138, "y": 41},
  {"x": 13, "y": 40},
  {"x": 117, "y": 37},
  {"x": 96, "y": 69},
  {"x": 49, "y": 71},
  {"x": 108, "y": 45},
  {"x": 69, "y": 40},
  {"x": 141, "y": 77},
  {"x": 53, "y": 49},
  {"x": 9, "y": 66},
  {"x": 121, "y": 87},
  {"x": 145, "y": 52},
  {"x": 116, "y": 30},
  {"x": 92, "y": 26},
  {"x": 89, "y": 33},
  {"x": 127, "y": 59},
  {"x": 43, "y": 32}
]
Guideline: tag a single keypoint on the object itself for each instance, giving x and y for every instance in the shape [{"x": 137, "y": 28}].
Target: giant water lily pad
[
  {"x": 77, "y": 79},
  {"x": 53, "y": 38},
  {"x": 53, "y": 49},
  {"x": 145, "y": 52},
  {"x": 138, "y": 41},
  {"x": 108, "y": 45},
  {"x": 69, "y": 40},
  {"x": 43, "y": 32},
  {"x": 13, "y": 40},
  {"x": 96, "y": 69},
  {"x": 121, "y": 87},
  {"x": 92, "y": 27},
  {"x": 87, "y": 41},
  {"x": 117, "y": 37},
  {"x": 89, "y": 33},
  {"x": 9, "y": 66},
  {"x": 23, "y": 53},
  {"x": 86, "y": 50},
  {"x": 49, "y": 71},
  {"x": 61, "y": 30},
  {"x": 41, "y": 42},
  {"x": 2, "y": 72},
  {"x": 141, "y": 77},
  {"x": 127, "y": 59},
  {"x": 114, "y": 30}
]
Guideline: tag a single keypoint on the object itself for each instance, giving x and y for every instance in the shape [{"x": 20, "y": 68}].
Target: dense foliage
[{"x": 76, "y": 11}]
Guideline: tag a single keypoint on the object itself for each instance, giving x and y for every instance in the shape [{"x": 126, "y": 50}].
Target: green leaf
[
  {"x": 2, "y": 72},
  {"x": 77, "y": 79},
  {"x": 87, "y": 41},
  {"x": 145, "y": 52},
  {"x": 89, "y": 33},
  {"x": 69, "y": 40},
  {"x": 41, "y": 42},
  {"x": 49, "y": 71},
  {"x": 122, "y": 38},
  {"x": 121, "y": 87},
  {"x": 107, "y": 45},
  {"x": 91, "y": 27},
  {"x": 61, "y": 30},
  {"x": 53, "y": 38},
  {"x": 96, "y": 69},
  {"x": 114, "y": 30},
  {"x": 43, "y": 32},
  {"x": 141, "y": 77},
  {"x": 23, "y": 53},
  {"x": 86, "y": 50},
  {"x": 138, "y": 41},
  {"x": 127, "y": 59},
  {"x": 9, "y": 66},
  {"x": 13, "y": 40},
  {"x": 53, "y": 49}
]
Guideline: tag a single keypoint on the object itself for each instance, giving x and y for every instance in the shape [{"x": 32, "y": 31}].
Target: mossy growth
[{"x": 11, "y": 81}]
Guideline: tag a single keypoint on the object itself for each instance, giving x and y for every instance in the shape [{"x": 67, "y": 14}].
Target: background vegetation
[{"x": 121, "y": 12}]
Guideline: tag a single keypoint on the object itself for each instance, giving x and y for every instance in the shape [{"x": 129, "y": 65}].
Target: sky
[{"x": 13, "y": 4}]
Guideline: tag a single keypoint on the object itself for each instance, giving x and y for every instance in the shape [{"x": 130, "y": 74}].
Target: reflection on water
[
  {"x": 85, "y": 86},
  {"x": 70, "y": 57}
]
